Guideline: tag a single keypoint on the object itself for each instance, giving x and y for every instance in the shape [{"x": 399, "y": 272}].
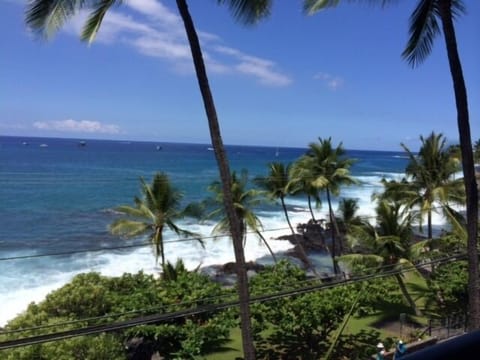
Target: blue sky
[{"x": 284, "y": 82}]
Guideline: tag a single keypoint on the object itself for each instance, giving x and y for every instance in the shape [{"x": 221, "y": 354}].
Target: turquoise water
[{"x": 58, "y": 196}]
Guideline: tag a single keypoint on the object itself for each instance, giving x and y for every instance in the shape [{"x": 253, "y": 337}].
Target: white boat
[{"x": 43, "y": 145}]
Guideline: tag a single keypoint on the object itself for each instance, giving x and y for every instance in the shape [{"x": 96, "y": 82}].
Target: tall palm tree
[
  {"x": 156, "y": 209},
  {"x": 244, "y": 199},
  {"x": 276, "y": 184},
  {"x": 330, "y": 170},
  {"x": 430, "y": 179},
  {"x": 424, "y": 27},
  {"x": 47, "y": 16},
  {"x": 385, "y": 245},
  {"x": 301, "y": 183},
  {"x": 348, "y": 220}
]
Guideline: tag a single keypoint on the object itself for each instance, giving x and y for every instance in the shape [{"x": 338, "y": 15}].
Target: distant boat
[
  {"x": 210, "y": 149},
  {"x": 277, "y": 152},
  {"x": 43, "y": 145},
  {"x": 25, "y": 143},
  {"x": 82, "y": 143},
  {"x": 159, "y": 148}
]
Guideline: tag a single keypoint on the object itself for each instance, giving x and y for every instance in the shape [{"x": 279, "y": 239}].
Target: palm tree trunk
[
  {"x": 259, "y": 234},
  {"x": 467, "y": 161},
  {"x": 406, "y": 294},
  {"x": 159, "y": 245},
  {"x": 225, "y": 176},
  {"x": 429, "y": 224},
  {"x": 310, "y": 207},
  {"x": 300, "y": 247},
  {"x": 334, "y": 250},
  {"x": 282, "y": 200}
]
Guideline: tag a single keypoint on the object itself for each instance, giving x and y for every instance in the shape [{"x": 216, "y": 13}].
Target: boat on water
[
  {"x": 82, "y": 143},
  {"x": 159, "y": 148},
  {"x": 25, "y": 143},
  {"x": 43, "y": 145},
  {"x": 210, "y": 149}
]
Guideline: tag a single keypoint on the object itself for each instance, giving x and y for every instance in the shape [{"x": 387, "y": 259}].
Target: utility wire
[{"x": 149, "y": 319}]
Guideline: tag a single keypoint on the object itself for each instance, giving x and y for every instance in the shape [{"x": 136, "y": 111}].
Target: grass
[
  {"x": 231, "y": 350},
  {"x": 386, "y": 320}
]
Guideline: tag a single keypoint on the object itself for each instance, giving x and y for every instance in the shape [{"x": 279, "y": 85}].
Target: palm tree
[
  {"x": 330, "y": 169},
  {"x": 155, "y": 210},
  {"x": 276, "y": 183},
  {"x": 300, "y": 182},
  {"x": 386, "y": 245},
  {"x": 430, "y": 179},
  {"x": 347, "y": 217},
  {"x": 47, "y": 16},
  {"x": 424, "y": 27},
  {"x": 476, "y": 149},
  {"x": 244, "y": 200}
]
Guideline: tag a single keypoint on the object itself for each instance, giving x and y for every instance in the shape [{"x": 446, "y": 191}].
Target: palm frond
[
  {"x": 423, "y": 30},
  {"x": 312, "y": 6},
  {"x": 185, "y": 233},
  {"x": 137, "y": 212},
  {"x": 94, "y": 21},
  {"x": 369, "y": 261},
  {"x": 248, "y": 11},
  {"x": 129, "y": 228},
  {"x": 46, "y": 17}
]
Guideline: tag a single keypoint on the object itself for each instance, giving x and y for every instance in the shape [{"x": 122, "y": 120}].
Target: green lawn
[
  {"x": 388, "y": 314},
  {"x": 232, "y": 349}
]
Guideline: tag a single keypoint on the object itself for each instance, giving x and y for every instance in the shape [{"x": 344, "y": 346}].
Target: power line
[{"x": 149, "y": 319}]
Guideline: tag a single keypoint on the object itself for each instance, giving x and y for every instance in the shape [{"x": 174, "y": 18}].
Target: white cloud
[
  {"x": 264, "y": 74},
  {"x": 264, "y": 70},
  {"x": 333, "y": 82},
  {"x": 82, "y": 126},
  {"x": 155, "y": 30}
]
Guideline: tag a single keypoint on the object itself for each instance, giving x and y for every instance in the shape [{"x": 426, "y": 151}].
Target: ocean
[{"x": 59, "y": 195}]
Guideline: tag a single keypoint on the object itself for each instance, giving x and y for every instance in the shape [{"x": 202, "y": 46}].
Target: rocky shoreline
[{"x": 311, "y": 237}]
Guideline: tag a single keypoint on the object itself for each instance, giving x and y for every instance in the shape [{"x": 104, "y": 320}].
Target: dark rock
[
  {"x": 231, "y": 267},
  {"x": 138, "y": 348}
]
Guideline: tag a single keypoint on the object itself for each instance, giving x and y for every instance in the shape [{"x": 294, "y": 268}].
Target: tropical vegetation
[
  {"x": 429, "y": 19},
  {"x": 244, "y": 199},
  {"x": 153, "y": 212}
]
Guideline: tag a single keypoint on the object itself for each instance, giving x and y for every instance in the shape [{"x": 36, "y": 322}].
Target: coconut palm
[
  {"x": 276, "y": 184},
  {"x": 301, "y": 183},
  {"x": 348, "y": 220},
  {"x": 155, "y": 210},
  {"x": 426, "y": 22},
  {"x": 385, "y": 246},
  {"x": 330, "y": 170},
  {"x": 244, "y": 199},
  {"x": 430, "y": 180},
  {"x": 47, "y": 16}
]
